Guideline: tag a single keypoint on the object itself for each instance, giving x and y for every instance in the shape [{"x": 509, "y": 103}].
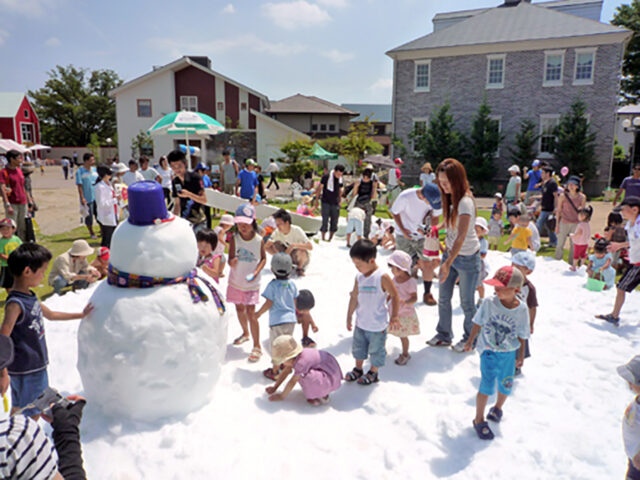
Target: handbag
[
  {"x": 571, "y": 202},
  {"x": 29, "y": 232}
]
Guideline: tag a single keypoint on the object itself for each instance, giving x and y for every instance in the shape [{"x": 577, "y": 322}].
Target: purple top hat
[{"x": 146, "y": 204}]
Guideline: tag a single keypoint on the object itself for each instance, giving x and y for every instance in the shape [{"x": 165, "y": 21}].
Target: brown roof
[{"x": 308, "y": 104}]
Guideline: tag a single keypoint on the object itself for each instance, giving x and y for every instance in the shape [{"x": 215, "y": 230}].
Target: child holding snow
[
  {"x": 247, "y": 258},
  {"x": 526, "y": 263},
  {"x": 304, "y": 303},
  {"x": 355, "y": 224},
  {"x": 400, "y": 264},
  {"x": 501, "y": 326},
  {"x": 371, "y": 291},
  {"x": 23, "y": 321},
  {"x": 481, "y": 230},
  {"x": 581, "y": 236},
  {"x": 496, "y": 229},
  {"x": 599, "y": 266},
  {"x": 317, "y": 371},
  {"x": 520, "y": 237},
  {"x": 208, "y": 259},
  {"x": 631, "y": 420}
]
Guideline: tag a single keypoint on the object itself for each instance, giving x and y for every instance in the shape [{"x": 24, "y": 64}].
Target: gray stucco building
[{"x": 530, "y": 61}]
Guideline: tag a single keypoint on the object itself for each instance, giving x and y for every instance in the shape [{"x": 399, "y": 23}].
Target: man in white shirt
[
  {"x": 133, "y": 175},
  {"x": 273, "y": 169},
  {"x": 149, "y": 173},
  {"x": 290, "y": 239}
]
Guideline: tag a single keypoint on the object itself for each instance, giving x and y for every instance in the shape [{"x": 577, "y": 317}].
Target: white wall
[{"x": 270, "y": 137}]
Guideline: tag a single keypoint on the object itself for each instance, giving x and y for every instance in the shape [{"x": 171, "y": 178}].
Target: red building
[{"x": 18, "y": 119}]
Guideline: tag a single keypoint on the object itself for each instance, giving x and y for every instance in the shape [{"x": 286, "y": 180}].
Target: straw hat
[
  {"x": 426, "y": 167},
  {"x": 284, "y": 347},
  {"x": 80, "y": 248}
]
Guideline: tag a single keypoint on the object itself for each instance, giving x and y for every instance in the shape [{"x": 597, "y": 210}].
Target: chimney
[
  {"x": 513, "y": 3},
  {"x": 201, "y": 60}
]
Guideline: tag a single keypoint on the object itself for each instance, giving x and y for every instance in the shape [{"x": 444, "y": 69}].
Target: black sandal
[
  {"x": 369, "y": 378},
  {"x": 354, "y": 375}
]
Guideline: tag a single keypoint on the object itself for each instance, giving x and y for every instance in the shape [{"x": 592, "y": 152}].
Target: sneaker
[
  {"x": 308, "y": 342},
  {"x": 459, "y": 347},
  {"x": 438, "y": 341},
  {"x": 429, "y": 300}
]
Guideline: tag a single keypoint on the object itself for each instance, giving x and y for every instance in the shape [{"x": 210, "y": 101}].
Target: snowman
[{"x": 154, "y": 344}]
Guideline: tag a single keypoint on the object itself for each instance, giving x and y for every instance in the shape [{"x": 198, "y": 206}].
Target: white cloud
[
  {"x": 298, "y": 14},
  {"x": 382, "y": 84},
  {"x": 333, "y": 3},
  {"x": 3, "y": 36},
  {"x": 248, "y": 42},
  {"x": 229, "y": 9},
  {"x": 30, "y": 8},
  {"x": 337, "y": 56},
  {"x": 52, "y": 42}
]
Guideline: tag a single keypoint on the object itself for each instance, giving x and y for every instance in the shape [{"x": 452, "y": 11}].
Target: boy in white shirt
[
  {"x": 355, "y": 224},
  {"x": 631, "y": 420}
]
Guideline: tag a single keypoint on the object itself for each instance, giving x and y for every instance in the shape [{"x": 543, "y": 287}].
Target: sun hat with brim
[
  {"x": 119, "y": 168},
  {"x": 498, "y": 195},
  {"x": 506, "y": 277},
  {"x": 432, "y": 194},
  {"x": 575, "y": 180},
  {"x": 631, "y": 201},
  {"x": 245, "y": 214},
  {"x": 525, "y": 259},
  {"x": 6, "y": 351},
  {"x": 80, "y": 248},
  {"x": 398, "y": 161},
  {"x": 284, "y": 347},
  {"x": 401, "y": 260},
  {"x": 226, "y": 219},
  {"x": 631, "y": 370},
  {"x": 514, "y": 168},
  {"x": 482, "y": 223}
]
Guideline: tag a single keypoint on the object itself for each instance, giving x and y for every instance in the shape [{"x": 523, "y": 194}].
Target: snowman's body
[{"x": 151, "y": 353}]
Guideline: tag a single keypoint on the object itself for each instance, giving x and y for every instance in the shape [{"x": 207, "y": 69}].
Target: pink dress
[
  {"x": 407, "y": 316},
  {"x": 319, "y": 373}
]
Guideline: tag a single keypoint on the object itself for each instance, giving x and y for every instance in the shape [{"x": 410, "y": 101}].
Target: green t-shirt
[{"x": 8, "y": 245}]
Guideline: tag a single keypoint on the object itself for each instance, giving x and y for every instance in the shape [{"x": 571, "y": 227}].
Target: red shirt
[{"x": 14, "y": 179}]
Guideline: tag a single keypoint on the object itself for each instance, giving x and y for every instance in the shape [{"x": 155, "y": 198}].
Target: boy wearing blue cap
[{"x": 535, "y": 177}]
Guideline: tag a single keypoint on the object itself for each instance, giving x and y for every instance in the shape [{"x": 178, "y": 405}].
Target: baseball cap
[
  {"x": 398, "y": 161},
  {"x": 547, "y": 168},
  {"x": 7, "y": 222},
  {"x": 401, "y": 260},
  {"x": 514, "y": 168},
  {"x": 245, "y": 213},
  {"x": 536, "y": 163},
  {"x": 575, "y": 180},
  {"x": 631, "y": 201},
  {"x": 250, "y": 161},
  {"x": 103, "y": 253},
  {"x": 525, "y": 259},
  {"x": 631, "y": 370},
  {"x": 498, "y": 195},
  {"x": 281, "y": 264},
  {"x": 305, "y": 300},
  {"x": 508, "y": 277},
  {"x": 482, "y": 223},
  {"x": 432, "y": 193}
]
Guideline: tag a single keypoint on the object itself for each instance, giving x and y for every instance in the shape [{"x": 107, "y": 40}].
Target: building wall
[
  {"x": 270, "y": 137},
  {"x": 6, "y": 128},
  {"x": 232, "y": 104},
  {"x": 255, "y": 104},
  {"x": 461, "y": 81},
  {"x": 30, "y": 117},
  {"x": 220, "y": 112},
  {"x": 195, "y": 82},
  {"x": 303, "y": 122}
]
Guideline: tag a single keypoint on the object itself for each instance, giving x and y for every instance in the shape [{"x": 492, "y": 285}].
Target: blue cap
[
  {"x": 525, "y": 259},
  {"x": 536, "y": 163},
  {"x": 432, "y": 193},
  {"x": 146, "y": 203},
  {"x": 202, "y": 166}
]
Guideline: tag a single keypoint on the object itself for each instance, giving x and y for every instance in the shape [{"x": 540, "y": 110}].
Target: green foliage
[
  {"x": 619, "y": 153},
  {"x": 525, "y": 148},
  {"x": 575, "y": 141},
  {"x": 356, "y": 144},
  {"x": 296, "y": 150},
  {"x": 399, "y": 149},
  {"x": 628, "y": 16},
  {"x": 481, "y": 146},
  {"x": 295, "y": 171},
  {"x": 94, "y": 146},
  {"x": 440, "y": 140},
  {"x": 140, "y": 142},
  {"x": 332, "y": 145},
  {"x": 74, "y": 103}
]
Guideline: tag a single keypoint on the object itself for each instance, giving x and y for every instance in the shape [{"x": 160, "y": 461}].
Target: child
[
  {"x": 247, "y": 258},
  {"x": 8, "y": 243},
  {"x": 526, "y": 263},
  {"x": 520, "y": 235},
  {"x": 497, "y": 204},
  {"x": 481, "y": 230},
  {"x": 208, "y": 260},
  {"x": 317, "y": 371},
  {"x": 371, "y": 291},
  {"x": 535, "y": 234},
  {"x": 600, "y": 264},
  {"x": 267, "y": 227},
  {"x": 280, "y": 296},
  {"x": 303, "y": 207},
  {"x": 378, "y": 229},
  {"x": 400, "y": 264},
  {"x": 23, "y": 322},
  {"x": 496, "y": 229},
  {"x": 501, "y": 326},
  {"x": 580, "y": 237},
  {"x": 388, "y": 241},
  {"x": 304, "y": 303},
  {"x": 222, "y": 230},
  {"x": 631, "y": 420},
  {"x": 615, "y": 232},
  {"x": 101, "y": 262},
  {"x": 355, "y": 224}
]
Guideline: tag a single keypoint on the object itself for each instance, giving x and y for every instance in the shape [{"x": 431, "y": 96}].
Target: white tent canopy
[
  {"x": 6, "y": 145},
  {"x": 37, "y": 146}
]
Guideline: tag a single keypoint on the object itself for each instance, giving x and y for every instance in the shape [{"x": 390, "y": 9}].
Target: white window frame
[
  {"x": 502, "y": 57},
  {"x": 189, "y": 103},
  {"x": 412, "y": 143},
  {"x": 553, "y": 83},
  {"x": 138, "y": 107},
  {"x": 584, "y": 81},
  {"x": 548, "y": 116},
  {"x": 32, "y": 133},
  {"x": 497, "y": 118},
  {"x": 415, "y": 76}
]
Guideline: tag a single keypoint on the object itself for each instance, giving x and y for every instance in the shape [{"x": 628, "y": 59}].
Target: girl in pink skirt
[{"x": 400, "y": 265}]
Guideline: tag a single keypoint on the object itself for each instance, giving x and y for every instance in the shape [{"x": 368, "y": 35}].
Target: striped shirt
[{"x": 25, "y": 451}]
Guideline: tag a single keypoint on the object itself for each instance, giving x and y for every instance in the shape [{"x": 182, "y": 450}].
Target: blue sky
[{"x": 333, "y": 49}]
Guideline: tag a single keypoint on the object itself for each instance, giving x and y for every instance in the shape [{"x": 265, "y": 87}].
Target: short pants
[
  {"x": 412, "y": 247},
  {"x": 630, "y": 280},
  {"x": 579, "y": 251},
  {"x": 355, "y": 225},
  {"x": 369, "y": 344},
  {"x": 497, "y": 366},
  {"x": 281, "y": 329},
  {"x": 239, "y": 297},
  {"x": 493, "y": 241},
  {"x": 26, "y": 388}
]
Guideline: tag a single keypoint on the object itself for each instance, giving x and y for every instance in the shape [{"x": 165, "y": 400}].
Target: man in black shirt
[
  {"x": 188, "y": 188},
  {"x": 330, "y": 191},
  {"x": 549, "y": 193}
]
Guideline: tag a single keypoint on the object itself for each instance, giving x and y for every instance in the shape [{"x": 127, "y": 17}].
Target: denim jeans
[
  {"x": 542, "y": 226},
  {"x": 467, "y": 268},
  {"x": 330, "y": 215}
]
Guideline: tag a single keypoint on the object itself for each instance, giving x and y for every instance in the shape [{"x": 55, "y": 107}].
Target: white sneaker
[{"x": 459, "y": 347}]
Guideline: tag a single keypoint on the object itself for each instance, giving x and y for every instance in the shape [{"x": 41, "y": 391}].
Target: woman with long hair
[
  {"x": 106, "y": 205},
  {"x": 461, "y": 259},
  {"x": 569, "y": 205}
]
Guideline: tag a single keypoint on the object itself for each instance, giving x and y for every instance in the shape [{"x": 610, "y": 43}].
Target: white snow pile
[{"x": 562, "y": 421}]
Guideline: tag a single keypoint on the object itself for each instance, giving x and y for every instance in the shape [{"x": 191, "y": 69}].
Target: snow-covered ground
[{"x": 562, "y": 421}]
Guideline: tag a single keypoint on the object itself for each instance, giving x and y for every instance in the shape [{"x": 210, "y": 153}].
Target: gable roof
[
  {"x": 524, "y": 22},
  {"x": 177, "y": 65},
  {"x": 552, "y": 5},
  {"x": 10, "y": 103},
  {"x": 299, "y": 103},
  {"x": 377, "y": 113},
  {"x": 283, "y": 126}
]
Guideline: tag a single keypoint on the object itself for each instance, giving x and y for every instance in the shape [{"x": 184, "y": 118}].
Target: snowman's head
[{"x": 151, "y": 242}]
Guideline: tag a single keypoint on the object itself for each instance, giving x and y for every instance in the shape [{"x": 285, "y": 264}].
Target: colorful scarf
[{"x": 128, "y": 280}]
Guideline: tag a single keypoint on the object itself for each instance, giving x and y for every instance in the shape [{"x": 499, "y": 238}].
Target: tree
[
  {"x": 525, "y": 148},
  {"x": 482, "y": 145},
  {"x": 332, "y": 145},
  {"x": 440, "y": 140},
  {"x": 296, "y": 150},
  {"x": 74, "y": 103},
  {"x": 575, "y": 142},
  {"x": 619, "y": 153},
  {"x": 628, "y": 16},
  {"x": 357, "y": 144},
  {"x": 399, "y": 149},
  {"x": 140, "y": 143}
]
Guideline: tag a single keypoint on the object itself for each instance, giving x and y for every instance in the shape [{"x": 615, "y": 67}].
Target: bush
[{"x": 295, "y": 171}]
